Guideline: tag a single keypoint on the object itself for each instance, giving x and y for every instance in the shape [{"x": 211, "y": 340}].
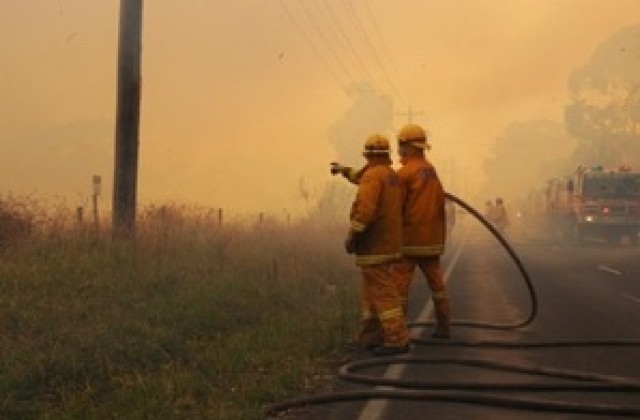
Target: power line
[
  {"x": 332, "y": 22},
  {"x": 323, "y": 38},
  {"x": 321, "y": 56},
  {"x": 347, "y": 42},
  {"x": 333, "y": 19},
  {"x": 358, "y": 23},
  {"x": 385, "y": 50},
  {"x": 312, "y": 45}
]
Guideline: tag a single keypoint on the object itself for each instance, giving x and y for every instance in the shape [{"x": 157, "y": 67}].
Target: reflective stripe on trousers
[{"x": 380, "y": 298}]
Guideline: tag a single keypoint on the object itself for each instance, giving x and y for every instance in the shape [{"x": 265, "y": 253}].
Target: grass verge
[{"x": 192, "y": 320}]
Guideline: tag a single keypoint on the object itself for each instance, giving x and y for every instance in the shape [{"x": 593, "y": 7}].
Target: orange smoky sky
[{"x": 238, "y": 96}]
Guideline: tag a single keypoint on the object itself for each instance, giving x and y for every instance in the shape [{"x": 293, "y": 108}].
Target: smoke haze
[{"x": 242, "y": 99}]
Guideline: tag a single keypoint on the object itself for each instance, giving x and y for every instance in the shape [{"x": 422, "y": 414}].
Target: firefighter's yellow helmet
[
  {"x": 376, "y": 144},
  {"x": 413, "y": 135}
]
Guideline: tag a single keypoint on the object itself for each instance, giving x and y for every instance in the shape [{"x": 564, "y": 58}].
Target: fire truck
[{"x": 595, "y": 203}]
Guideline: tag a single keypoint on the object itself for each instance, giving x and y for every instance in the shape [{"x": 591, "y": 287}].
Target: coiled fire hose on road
[{"x": 474, "y": 392}]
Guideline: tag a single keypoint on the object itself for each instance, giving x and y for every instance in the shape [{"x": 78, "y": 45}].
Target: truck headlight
[{"x": 588, "y": 218}]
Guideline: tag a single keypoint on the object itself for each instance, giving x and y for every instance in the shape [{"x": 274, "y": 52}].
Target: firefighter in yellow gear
[
  {"x": 500, "y": 218},
  {"x": 489, "y": 211},
  {"x": 375, "y": 238},
  {"x": 424, "y": 223}
]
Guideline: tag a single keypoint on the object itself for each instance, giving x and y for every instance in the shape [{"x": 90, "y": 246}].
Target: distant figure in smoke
[
  {"x": 489, "y": 211},
  {"x": 500, "y": 218}
]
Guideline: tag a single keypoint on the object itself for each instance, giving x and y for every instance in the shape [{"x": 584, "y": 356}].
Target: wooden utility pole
[
  {"x": 410, "y": 114},
  {"x": 127, "y": 119}
]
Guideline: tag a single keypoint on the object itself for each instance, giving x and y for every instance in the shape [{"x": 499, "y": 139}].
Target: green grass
[{"x": 190, "y": 321}]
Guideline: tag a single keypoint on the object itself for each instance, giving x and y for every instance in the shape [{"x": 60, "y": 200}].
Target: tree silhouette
[{"x": 604, "y": 103}]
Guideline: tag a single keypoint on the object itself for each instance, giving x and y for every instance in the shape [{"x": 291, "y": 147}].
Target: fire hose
[{"x": 484, "y": 393}]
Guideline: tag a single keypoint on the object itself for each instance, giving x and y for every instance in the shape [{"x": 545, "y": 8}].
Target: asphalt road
[{"x": 590, "y": 292}]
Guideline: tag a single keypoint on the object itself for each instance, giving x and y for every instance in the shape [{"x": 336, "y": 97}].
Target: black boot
[{"x": 441, "y": 307}]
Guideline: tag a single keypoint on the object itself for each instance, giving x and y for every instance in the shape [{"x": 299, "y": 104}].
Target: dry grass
[{"x": 191, "y": 320}]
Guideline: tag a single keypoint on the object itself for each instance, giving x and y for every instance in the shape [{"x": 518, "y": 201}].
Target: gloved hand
[
  {"x": 336, "y": 168},
  {"x": 351, "y": 243}
]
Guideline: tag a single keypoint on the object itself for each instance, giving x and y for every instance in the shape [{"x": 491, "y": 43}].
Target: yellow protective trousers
[
  {"x": 383, "y": 321},
  {"x": 430, "y": 267}
]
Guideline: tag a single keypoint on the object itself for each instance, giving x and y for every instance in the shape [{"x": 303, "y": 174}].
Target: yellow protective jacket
[
  {"x": 353, "y": 175},
  {"x": 375, "y": 215},
  {"x": 423, "y": 211}
]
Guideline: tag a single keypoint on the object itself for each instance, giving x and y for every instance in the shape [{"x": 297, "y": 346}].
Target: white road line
[
  {"x": 374, "y": 409},
  {"x": 630, "y": 296},
  {"x": 609, "y": 270}
]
